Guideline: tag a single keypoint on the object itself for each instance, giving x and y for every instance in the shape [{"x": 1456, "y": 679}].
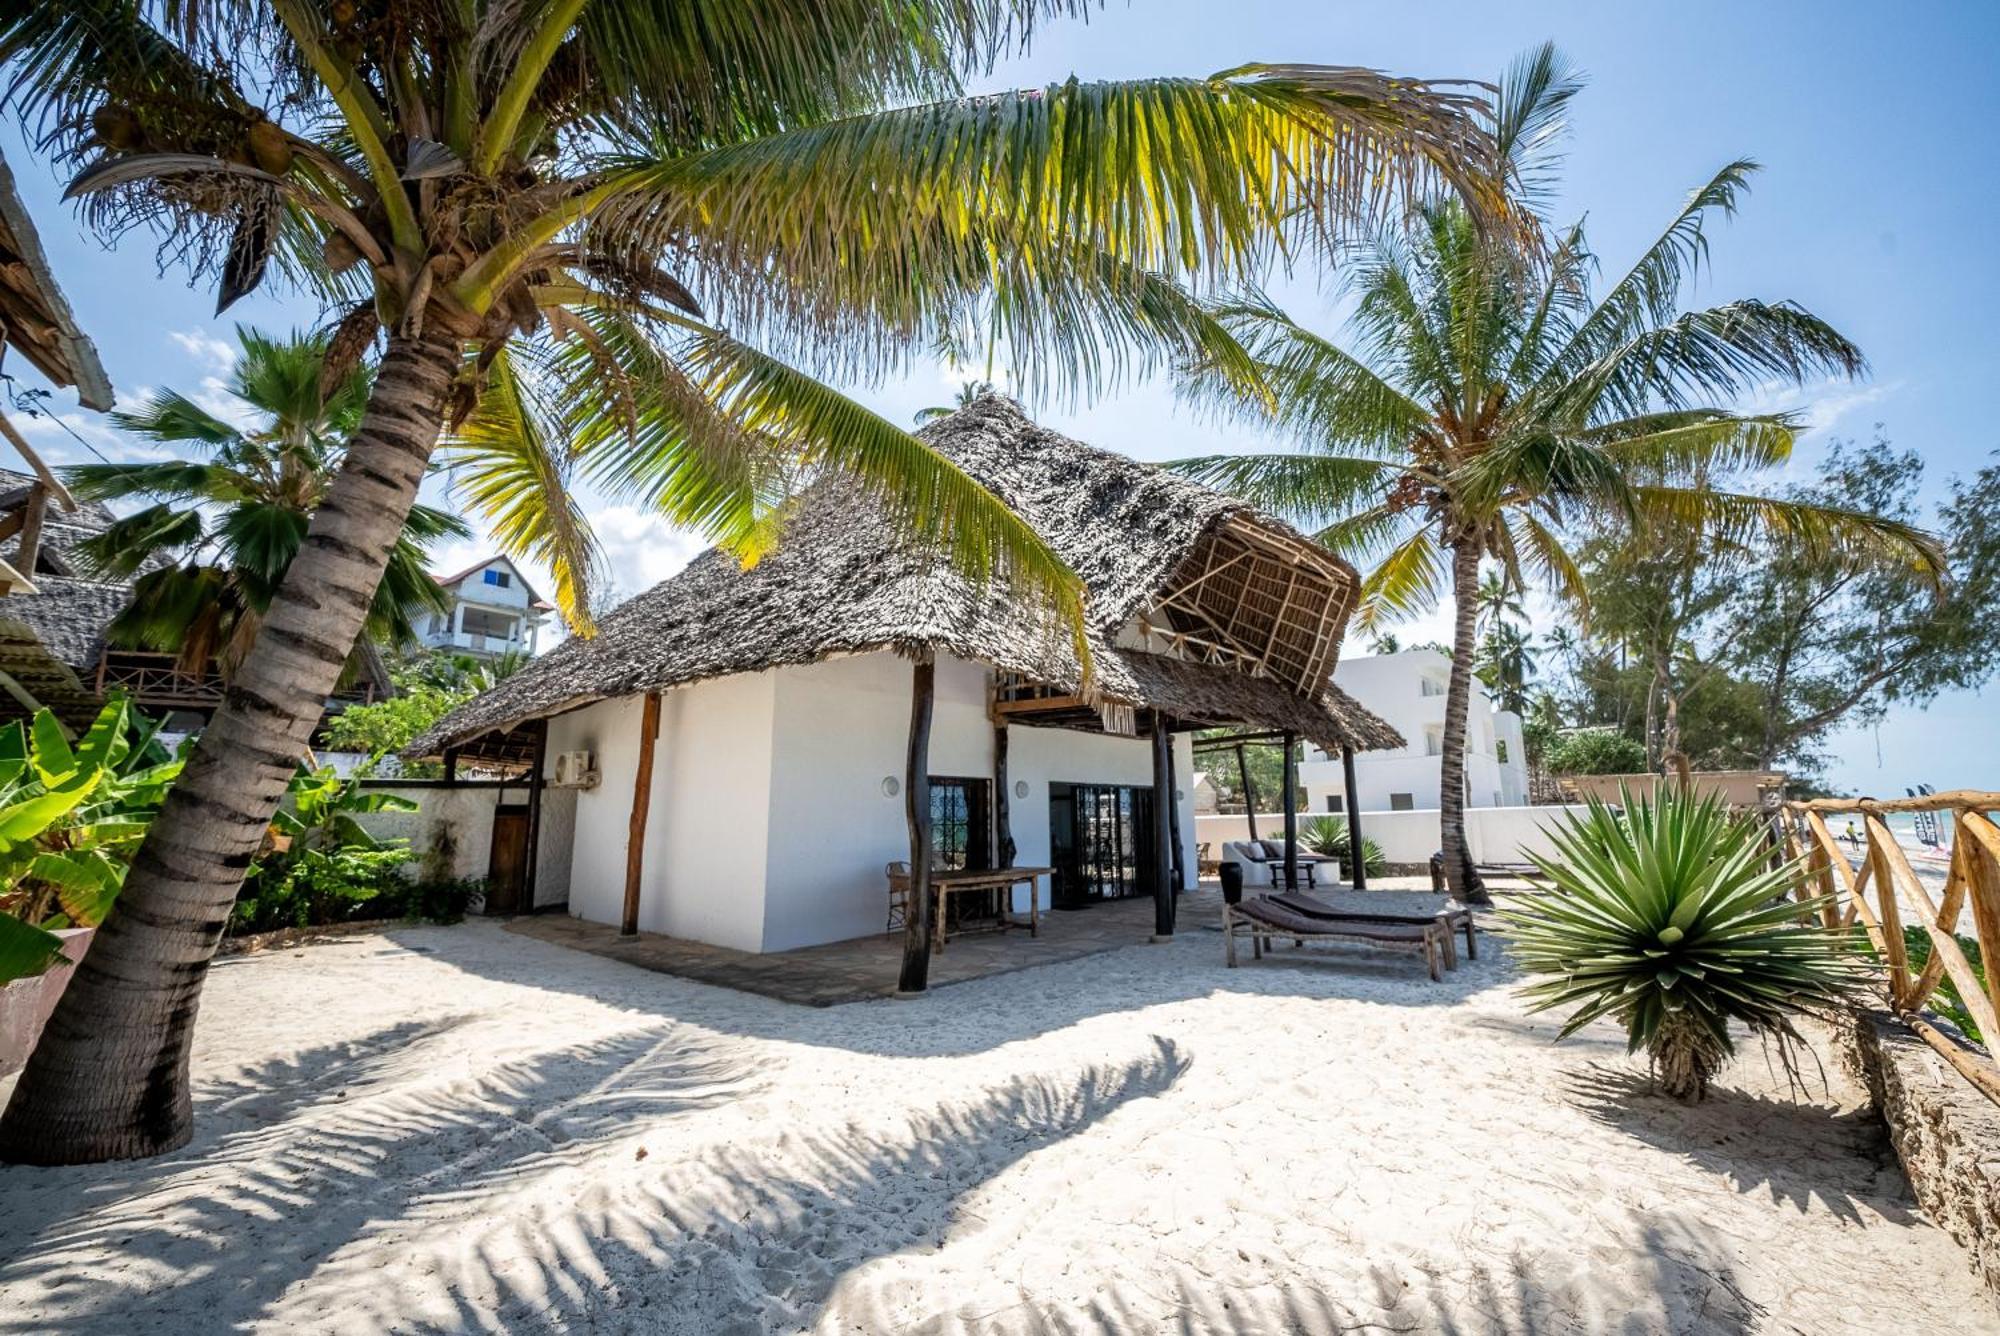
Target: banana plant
[{"x": 71, "y": 816}]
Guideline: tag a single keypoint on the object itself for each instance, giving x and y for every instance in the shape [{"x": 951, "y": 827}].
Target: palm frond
[
  {"x": 925, "y": 495},
  {"x": 1308, "y": 387},
  {"x": 1407, "y": 582},
  {"x": 510, "y": 464},
  {"x": 895, "y": 217},
  {"x": 1649, "y": 293},
  {"x": 1817, "y": 532},
  {"x": 1313, "y": 489},
  {"x": 1529, "y": 116}
]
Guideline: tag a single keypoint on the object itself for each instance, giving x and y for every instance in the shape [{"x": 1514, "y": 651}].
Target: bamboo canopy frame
[{"x": 1843, "y": 890}]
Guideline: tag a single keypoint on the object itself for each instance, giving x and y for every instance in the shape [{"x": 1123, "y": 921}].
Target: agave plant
[
  {"x": 1669, "y": 917},
  {"x": 1327, "y": 836}
]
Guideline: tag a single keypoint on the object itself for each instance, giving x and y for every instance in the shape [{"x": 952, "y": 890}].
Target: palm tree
[
  {"x": 1487, "y": 404},
  {"x": 1499, "y": 599},
  {"x": 969, "y": 392},
  {"x": 1505, "y": 663},
  {"x": 207, "y": 555},
  {"x": 687, "y": 214}
]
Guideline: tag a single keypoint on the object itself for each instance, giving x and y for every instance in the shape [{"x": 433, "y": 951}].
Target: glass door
[
  {"x": 959, "y": 824},
  {"x": 1101, "y": 839}
]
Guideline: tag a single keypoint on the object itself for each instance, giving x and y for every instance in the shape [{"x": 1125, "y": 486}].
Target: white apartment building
[
  {"x": 494, "y": 612},
  {"x": 1407, "y": 690}
]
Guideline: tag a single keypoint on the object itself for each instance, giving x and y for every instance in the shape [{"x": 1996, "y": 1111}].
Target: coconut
[
  {"x": 118, "y": 127},
  {"x": 269, "y": 147}
]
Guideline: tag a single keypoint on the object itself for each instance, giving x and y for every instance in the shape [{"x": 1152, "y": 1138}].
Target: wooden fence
[{"x": 1867, "y": 891}]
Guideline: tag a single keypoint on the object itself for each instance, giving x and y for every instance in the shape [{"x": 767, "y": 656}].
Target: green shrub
[
  {"x": 320, "y": 865},
  {"x": 1597, "y": 751},
  {"x": 1327, "y": 836},
  {"x": 71, "y": 817},
  {"x": 1671, "y": 920}
]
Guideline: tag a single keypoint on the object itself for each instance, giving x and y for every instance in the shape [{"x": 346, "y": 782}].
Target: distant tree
[
  {"x": 1596, "y": 751},
  {"x": 1384, "y": 642},
  {"x": 1499, "y": 599},
  {"x": 969, "y": 394},
  {"x": 208, "y": 551},
  {"x": 1832, "y": 646},
  {"x": 1506, "y": 663}
]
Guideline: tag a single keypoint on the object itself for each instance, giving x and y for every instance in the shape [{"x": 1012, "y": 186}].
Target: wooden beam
[
  {"x": 1163, "y": 835},
  {"x": 642, "y": 802},
  {"x": 1036, "y": 704},
  {"x": 915, "y": 976},
  {"x": 1358, "y": 866},
  {"x": 1291, "y": 811}
]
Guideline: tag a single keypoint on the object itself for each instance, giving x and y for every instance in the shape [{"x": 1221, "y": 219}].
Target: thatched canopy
[
  {"x": 35, "y": 320},
  {"x": 1199, "y": 607}
]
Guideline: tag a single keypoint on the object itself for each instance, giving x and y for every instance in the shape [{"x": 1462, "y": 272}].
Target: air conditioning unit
[{"x": 575, "y": 770}]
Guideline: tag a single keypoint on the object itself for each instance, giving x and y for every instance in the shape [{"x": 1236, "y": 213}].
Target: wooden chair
[{"x": 899, "y": 895}]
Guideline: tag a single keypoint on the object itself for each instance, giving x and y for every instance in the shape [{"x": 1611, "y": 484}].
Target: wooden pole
[
  {"x": 1291, "y": 811},
  {"x": 1003, "y": 800},
  {"x": 1174, "y": 822},
  {"x": 642, "y": 802},
  {"x": 1357, "y": 865},
  {"x": 535, "y": 813},
  {"x": 450, "y": 753},
  {"x": 1249, "y": 792},
  {"x": 915, "y": 976},
  {"x": 1163, "y": 837},
  {"x": 33, "y": 511}
]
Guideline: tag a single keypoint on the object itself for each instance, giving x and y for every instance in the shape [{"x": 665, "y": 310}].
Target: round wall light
[
  {"x": 1180, "y": 795},
  {"x": 891, "y": 786},
  {"x": 1020, "y": 788}
]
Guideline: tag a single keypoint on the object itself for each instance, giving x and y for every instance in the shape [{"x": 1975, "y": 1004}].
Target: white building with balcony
[
  {"x": 1408, "y": 691},
  {"x": 494, "y": 612}
]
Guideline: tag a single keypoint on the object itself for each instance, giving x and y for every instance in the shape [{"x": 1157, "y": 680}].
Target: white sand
[{"x": 466, "y": 1130}]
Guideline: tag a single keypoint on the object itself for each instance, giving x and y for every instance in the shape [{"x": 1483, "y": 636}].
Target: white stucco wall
[
  {"x": 1495, "y": 834},
  {"x": 769, "y": 826},
  {"x": 1407, "y": 691},
  {"x": 466, "y": 809}
]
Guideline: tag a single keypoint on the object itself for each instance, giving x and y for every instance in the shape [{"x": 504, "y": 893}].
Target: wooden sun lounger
[
  {"x": 1260, "y": 920},
  {"x": 1386, "y": 907}
]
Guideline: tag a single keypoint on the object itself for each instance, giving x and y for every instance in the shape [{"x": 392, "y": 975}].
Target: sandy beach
[{"x": 462, "y": 1129}]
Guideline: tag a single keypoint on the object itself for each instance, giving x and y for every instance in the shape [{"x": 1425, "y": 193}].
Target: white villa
[
  {"x": 494, "y": 612},
  {"x": 730, "y": 759},
  {"x": 1407, "y": 690}
]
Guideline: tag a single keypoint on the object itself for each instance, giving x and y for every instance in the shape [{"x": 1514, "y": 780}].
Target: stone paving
[{"x": 866, "y": 967}]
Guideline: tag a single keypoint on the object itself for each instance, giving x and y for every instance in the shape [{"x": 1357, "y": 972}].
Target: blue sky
[{"x": 1875, "y": 125}]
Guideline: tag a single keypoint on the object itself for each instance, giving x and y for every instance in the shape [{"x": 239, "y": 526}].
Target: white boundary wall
[{"x": 1496, "y": 834}]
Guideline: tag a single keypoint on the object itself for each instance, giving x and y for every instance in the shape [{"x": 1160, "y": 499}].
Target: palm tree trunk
[
  {"x": 1458, "y": 870},
  {"x": 109, "y": 1079}
]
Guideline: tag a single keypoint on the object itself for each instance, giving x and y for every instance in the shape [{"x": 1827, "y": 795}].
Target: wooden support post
[
  {"x": 1163, "y": 838},
  {"x": 917, "y": 926},
  {"x": 1291, "y": 811},
  {"x": 1003, "y": 801},
  {"x": 642, "y": 802},
  {"x": 34, "y": 509},
  {"x": 1174, "y": 821},
  {"x": 1249, "y": 791},
  {"x": 450, "y": 753},
  {"x": 1357, "y": 865},
  {"x": 535, "y": 780}
]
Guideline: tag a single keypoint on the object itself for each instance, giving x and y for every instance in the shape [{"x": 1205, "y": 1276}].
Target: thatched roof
[
  {"x": 36, "y": 319},
  {"x": 1148, "y": 545}
]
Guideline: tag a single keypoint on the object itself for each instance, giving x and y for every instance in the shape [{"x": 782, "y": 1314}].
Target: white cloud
[
  {"x": 216, "y": 354},
  {"x": 1822, "y": 403},
  {"x": 642, "y": 548}
]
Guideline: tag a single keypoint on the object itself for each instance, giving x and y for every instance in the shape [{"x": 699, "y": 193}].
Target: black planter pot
[{"x": 1232, "y": 883}]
